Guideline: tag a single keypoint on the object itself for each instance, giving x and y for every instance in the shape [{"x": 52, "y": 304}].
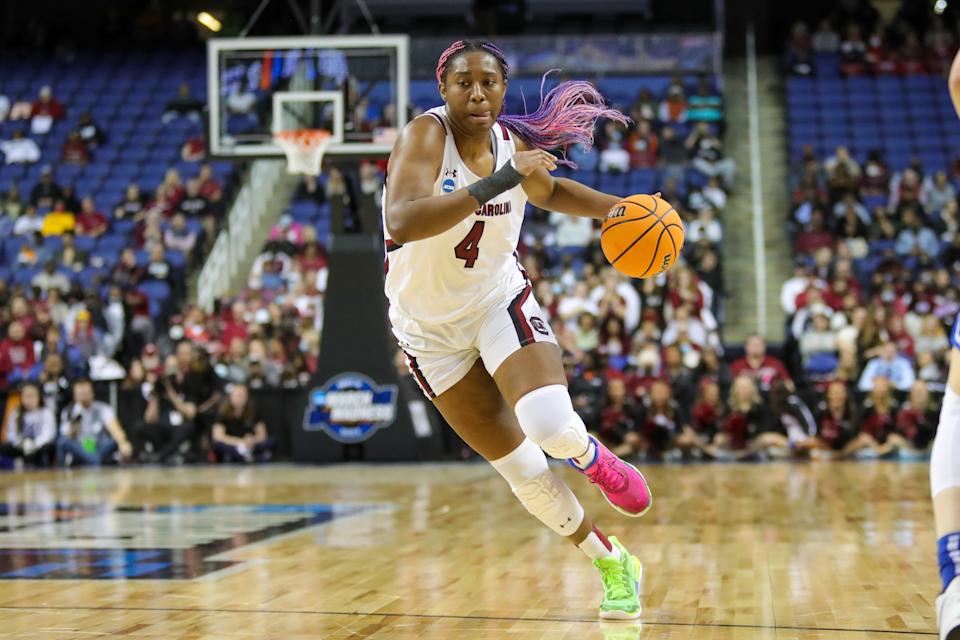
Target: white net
[{"x": 304, "y": 149}]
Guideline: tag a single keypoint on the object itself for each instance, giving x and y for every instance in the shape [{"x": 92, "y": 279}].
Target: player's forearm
[
  {"x": 427, "y": 217},
  {"x": 953, "y": 83},
  {"x": 575, "y": 199}
]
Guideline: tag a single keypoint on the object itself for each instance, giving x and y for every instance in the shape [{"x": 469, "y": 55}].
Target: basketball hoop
[{"x": 304, "y": 149}]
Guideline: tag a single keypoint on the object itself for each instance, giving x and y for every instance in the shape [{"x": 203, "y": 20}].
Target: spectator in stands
[
  {"x": 614, "y": 294},
  {"x": 673, "y": 156},
  {"x": 825, "y": 39},
  {"x": 89, "y": 430},
  {"x": 643, "y": 146},
  {"x": 842, "y": 157},
  {"x": 705, "y": 105},
  {"x": 747, "y": 419},
  {"x": 17, "y": 354},
  {"x": 75, "y": 150},
  {"x": 50, "y": 278},
  {"x": 57, "y": 220},
  {"x": 818, "y": 345},
  {"x": 714, "y": 194},
  {"x": 761, "y": 367},
  {"x": 31, "y": 430},
  {"x": 673, "y": 110},
  {"x": 239, "y": 433},
  {"x": 132, "y": 205},
  {"x": 310, "y": 189},
  {"x": 705, "y": 227},
  {"x": 708, "y": 156},
  {"x": 45, "y": 111},
  {"x": 620, "y": 419},
  {"x": 706, "y": 416},
  {"x": 69, "y": 256},
  {"x": 157, "y": 266},
  {"x": 937, "y": 192},
  {"x": 915, "y": 240},
  {"x": 90, "y": 222},
  {"x": 905, "y": 189},
  {"x": 877, "y": 422},
  {"x": 815, "y": 237},
  {"x": 853, "y": 51},
  {"x": 183, "y": 106},
  {"x": 46, "y": 192},
  {"x": 19, "y": 149},
  {"x": 179, "y": 237},
  {"x": 837, "y": 421},
  {"x": 29, "y": 223},
  {"x": 12, "y": 204},
  {"x": 876, "y": 176},
  {"x": 127, "y": 273},
  {"x": 614, "y": 157},
  {"x": 84, "y": 336},
  {"x": 193, "y": 203},
  {"x": 931, "y": 336},
  {"x": 889, "y": 365},
  {"x": 210, "y": 187},
  {"x": 572, "y": 232},
  {"x": 916, "y": 421},
  {"x": 91, "y": 134}
]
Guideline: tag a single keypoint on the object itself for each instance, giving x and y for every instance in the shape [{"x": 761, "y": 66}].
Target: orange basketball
[{"x": 642, "y": 236}]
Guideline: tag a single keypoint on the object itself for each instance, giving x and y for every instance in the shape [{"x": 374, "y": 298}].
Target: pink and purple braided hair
[{"x": 567, "y": 113}]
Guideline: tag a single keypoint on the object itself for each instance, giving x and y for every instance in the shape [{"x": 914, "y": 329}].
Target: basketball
[{"x": 642, "y": 236}]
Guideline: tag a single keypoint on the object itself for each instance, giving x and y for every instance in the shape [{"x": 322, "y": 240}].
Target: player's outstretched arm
[
  {"x": 412, "y": 211},
  {"x": 565, "y": 195}
]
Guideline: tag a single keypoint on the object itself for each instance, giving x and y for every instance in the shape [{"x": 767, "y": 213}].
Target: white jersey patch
[{"x": 470, "y": 266}]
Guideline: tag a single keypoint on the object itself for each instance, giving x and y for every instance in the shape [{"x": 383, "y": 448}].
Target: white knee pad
[
  {"x": 547, "y": 417},
  {"x": 542, "y": 493},
  {"x": 945, "y": 457}
]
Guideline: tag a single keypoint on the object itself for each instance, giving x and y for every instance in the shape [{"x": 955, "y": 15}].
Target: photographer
[
  {"x": 239, "y": 435},
  {"x": 89, "y": 431},
  {"x": 31, "y": 431},
  {"x": 168, "y": 420}
]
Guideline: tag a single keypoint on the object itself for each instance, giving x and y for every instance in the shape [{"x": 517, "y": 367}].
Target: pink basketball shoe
[{"x": 622, "y": 484}]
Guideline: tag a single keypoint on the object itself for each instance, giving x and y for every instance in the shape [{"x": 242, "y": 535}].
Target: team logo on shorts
[
  {"x": 539, "y": 326},
  {"x": 350, "y": 407},
  {"x": 448, "y": 185}
]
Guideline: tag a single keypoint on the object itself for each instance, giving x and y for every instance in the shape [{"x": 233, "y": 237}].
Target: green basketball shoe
[{"x": 621, "y": 585}]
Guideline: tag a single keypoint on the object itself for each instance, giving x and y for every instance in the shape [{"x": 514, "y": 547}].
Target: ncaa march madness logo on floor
[{"x": 103, "y": 542}]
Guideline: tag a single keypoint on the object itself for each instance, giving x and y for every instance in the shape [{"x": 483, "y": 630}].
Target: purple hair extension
[{"x": 566, "y": 116}]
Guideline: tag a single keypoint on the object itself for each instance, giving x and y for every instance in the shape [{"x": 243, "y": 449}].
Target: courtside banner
[{"x": 350, "y": 407}]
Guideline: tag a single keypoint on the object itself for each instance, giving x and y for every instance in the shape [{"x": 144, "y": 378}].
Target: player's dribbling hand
[{"x": 526, "y": 162}]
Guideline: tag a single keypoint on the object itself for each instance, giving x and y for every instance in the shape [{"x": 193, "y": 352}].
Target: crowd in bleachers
[
  {"x": 105, "y": 206},
  {"x": 873, "y": 222}
]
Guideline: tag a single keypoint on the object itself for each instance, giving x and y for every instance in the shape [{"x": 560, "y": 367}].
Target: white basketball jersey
[{"x": 470, "y": 266}]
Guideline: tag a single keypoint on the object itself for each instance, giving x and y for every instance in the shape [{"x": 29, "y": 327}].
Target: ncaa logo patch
[
  {"x": 350, "y": 408},
  {"x": 448, "y": 185}
]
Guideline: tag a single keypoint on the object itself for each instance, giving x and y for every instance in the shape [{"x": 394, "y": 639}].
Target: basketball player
[
  {"x": 945, "y": 465},
  {"x": 461, "y": 306}
]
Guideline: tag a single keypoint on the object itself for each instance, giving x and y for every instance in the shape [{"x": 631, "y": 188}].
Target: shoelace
[
  {"x": 616, "y": 583},
  {"x": 608, "y": 476}
]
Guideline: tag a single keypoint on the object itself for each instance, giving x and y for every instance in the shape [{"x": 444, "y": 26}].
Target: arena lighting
[
  {"x": 209, "y": 21},
  {"x": 939, "y": 6}
]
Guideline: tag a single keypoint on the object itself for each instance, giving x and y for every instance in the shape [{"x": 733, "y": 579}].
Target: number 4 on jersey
[{"x": 469, "y": 247}]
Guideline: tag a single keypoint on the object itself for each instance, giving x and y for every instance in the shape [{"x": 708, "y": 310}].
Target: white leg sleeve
[
  {"x": 547, "y": 417},
  {"x": 945, "y": 458},
  {"x": 539, "y": 490}
]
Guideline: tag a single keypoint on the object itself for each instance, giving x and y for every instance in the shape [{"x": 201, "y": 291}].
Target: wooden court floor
[{"x": 838, "y": 551}]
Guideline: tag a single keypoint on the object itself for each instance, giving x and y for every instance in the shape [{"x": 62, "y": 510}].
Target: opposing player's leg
[
  {"x": 945, "y": 487},
  {"x": 476, "y": 410},
  {"x": 521, "y": 353}
]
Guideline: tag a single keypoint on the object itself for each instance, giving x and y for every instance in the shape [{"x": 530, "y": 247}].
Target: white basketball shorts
[{"x": 439, "y": 356}]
